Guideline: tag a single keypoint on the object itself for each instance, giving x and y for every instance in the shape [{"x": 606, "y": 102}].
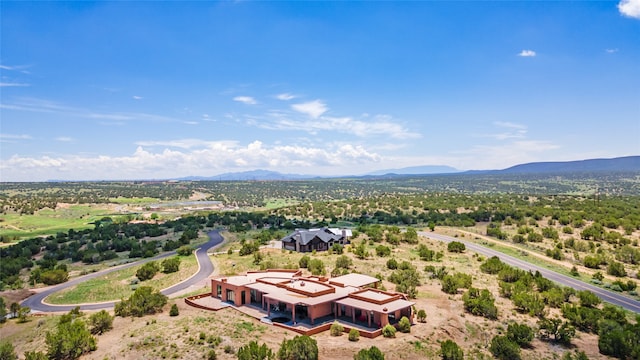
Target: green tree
[
  {"x": 480, "y": 302},
  {"x": 171, "y": 265},
  {"x": 184, "y": 250},
  {"x": 556, "y": 330},
  {"x": 299, "y": 348},
  {"x": 7, "y": 352},
  {"x": 304, "y": 261},
  {"x": 147, "y": 271},
  {"x": 360, "y": 251},
  {"x": 3, "y": 311},
  {"x": 316, "y": 267},
  {"x": 504, "y": 349},
  {"x": 23, "y": 314},
  {"x": 422, "y": 315},
  {"x": 174, "y": 310},
  {"x": 253, "y": 351},
  {"x": 521, "y": 334},
  {"x": 449, "y": 350},
  {"x": 343, "y": 262},
  {"x": 70, "y": 340},
  {"x": 372, "y": 353},
  {"x": 588, "y": 299},
  {"x": 389, "y": 331},
  {"x": 456, "y": 247},
  {"x": 34, "y": 355},
  {"x": 145, "y": 300},
  {"x": 100, "y": 322},
  {"x": 410, "y": 236},
  {"x": 616, "y": 269},
  {"x": 336, "y": 329},
  {"x": 404, "y": 325},
  {"x": 354, "y": 334}
]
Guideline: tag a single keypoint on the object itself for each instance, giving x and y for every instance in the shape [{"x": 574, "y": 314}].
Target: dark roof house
[{"x": 306, "y": 240}]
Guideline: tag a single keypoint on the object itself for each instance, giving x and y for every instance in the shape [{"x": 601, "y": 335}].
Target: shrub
[
  {"x": 7, "y": 351},
  {"x": 451, "y": 283},
  {"x": 174, "y": 310},
  {"x": 450, "y": 350},
  {"x": 521, "y": 334},
  {"x": 33, "y": 355},
  {"x": 147, "y": 271},
  {"x": 299, "y": 348},
  {"x": 504, "y": 349},
  {"x": 171, "y": 265},
  {"x": 354, "y": 335},
  {"x": 372, "y": 353},
  {"x": 404, "y": 325},
  {"x": 492, "y": 265},
  {"x": 616, "y": 269},
  {"x": 422, "y": 315},
  {"x": 456, "y": 247},
  {"x": 304, "y": 261},
  {"x": 185, "y": 250},
  {"x": 145, "y": 300},
  {"x": 53, "y": 277},
  {"x": 480, "y": 302},
  {"x": 336, "y": 329},
  {"x": 71, "y": 340},
  {"x": 337, "y": 248},
  {"x": 344, "y": 262},
  {"x": 211, "y": 355},
  {"x": 100, "y": 322},
  {"x": 316, "y": 267},
  {"x": 253, "y": 351},
  {"x": 392, "y": 264},
  {"x": 382, "y": 250},
  {"x": 389, "y": 331}
]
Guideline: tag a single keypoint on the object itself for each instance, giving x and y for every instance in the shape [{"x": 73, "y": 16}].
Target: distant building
[
  {"x": 306, "y": 240},
  {"x": 309, "y": 304}
]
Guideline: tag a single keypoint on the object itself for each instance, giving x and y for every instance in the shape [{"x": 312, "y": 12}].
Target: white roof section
[
  {"x": 353, "y": 279},
  {"x": 389, "y": 307}
]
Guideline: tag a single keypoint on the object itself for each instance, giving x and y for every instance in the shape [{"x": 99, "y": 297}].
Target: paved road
[
  {"x": 605, "y": 295},
  {"x": 205, "y": 269}
]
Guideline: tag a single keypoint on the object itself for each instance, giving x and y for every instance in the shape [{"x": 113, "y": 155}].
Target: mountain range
[{"x": 620, "y": 164}]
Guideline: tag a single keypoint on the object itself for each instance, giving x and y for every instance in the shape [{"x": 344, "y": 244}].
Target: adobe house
[
  {"x": 286, "y": 297},
  {"x": 307, "y": 240}
]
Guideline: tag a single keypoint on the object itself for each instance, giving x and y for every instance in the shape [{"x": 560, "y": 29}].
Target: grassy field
[
  {"x": 278, "y": 203},
  {"x": 118, "y": 284},
  {"x": 134, "y": 201},
  {"x": 49, "y": 222}
]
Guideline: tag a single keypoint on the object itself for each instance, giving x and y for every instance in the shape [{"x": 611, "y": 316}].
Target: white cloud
[
  {"x": 191, "y": 122},
  {"x": 313, "y": 108},
  {"x": 630, "y": 8},
  {"x": 514, "y": 130},
  {"x": 208, "y": 158},
  {"x": 380, "y": 125},
  {"x": 611, "y": 51},
  {"x": 47, "y": 106},
  {"x": 136, "y": 97},
  {"x": 64, "y": 139},
  {"x": 248, "y": 100},
  {"x": 5, "y": 84},
  {"x": 20, "y": 68},
  {"x": 527, "y": 53},
  {"x": 285, "y": 96},
  {"x": 15, "y": 137}
]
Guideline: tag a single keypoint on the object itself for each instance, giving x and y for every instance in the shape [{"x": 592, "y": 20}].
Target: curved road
[
  {"x": 35, "y": 302},
  {"x": 605, "y": 295}
]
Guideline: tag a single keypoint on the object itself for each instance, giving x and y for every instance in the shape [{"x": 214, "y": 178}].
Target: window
[{"x": 219, "y": 291}]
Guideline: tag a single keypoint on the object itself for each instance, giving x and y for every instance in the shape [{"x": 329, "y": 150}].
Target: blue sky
[{"x": 140, "y": 90}]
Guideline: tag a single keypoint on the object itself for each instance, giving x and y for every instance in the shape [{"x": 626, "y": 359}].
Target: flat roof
[
  {"x": 249, "y": 278},
  {"x": 389, "y": 307},
  {"x": 375, "y": 295},
  {"x": 290, "y": 297},
  {"x": 354, "y": 279}
]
